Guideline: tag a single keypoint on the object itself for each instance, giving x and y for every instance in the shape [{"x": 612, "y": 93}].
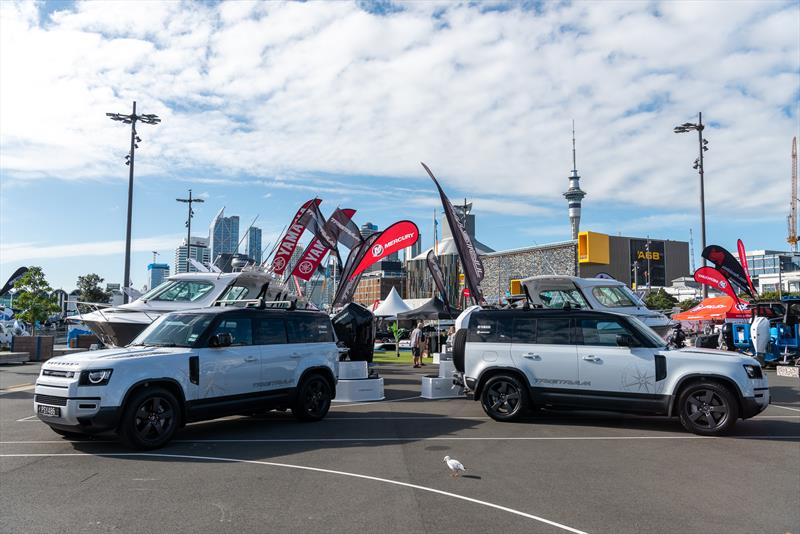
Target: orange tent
[{"x": 714, "y": 309}]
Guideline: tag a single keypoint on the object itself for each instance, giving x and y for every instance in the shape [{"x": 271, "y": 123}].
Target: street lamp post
[
  {"x": 698, "y": 166},
  {"x": 189, "y": 201},
  {"x": 131, "y": 119}
]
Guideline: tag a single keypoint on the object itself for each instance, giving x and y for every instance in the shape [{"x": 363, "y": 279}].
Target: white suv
[
  {"x": 519, "y": 358},
  {"x": 190, "y": 366}
]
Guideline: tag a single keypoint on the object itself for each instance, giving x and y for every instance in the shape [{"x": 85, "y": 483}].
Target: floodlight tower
[{"x": 574, "y": 194}]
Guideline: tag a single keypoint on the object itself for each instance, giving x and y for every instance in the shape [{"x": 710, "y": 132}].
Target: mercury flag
[
  {"x": 315, "y": 251},
  {"x": 713, "y": 278},
  {"x": 473, "y": 266},
  {"x": 289, "y": 242},
  {"x": 743, "y": 260},
  {"x": 19, "y": 273},
  {"x": 728, "y": 266},
  {"x": 438, "y": 276},
  {"x": 400, "y": 235},
  {"x": 347, "y": 288}
]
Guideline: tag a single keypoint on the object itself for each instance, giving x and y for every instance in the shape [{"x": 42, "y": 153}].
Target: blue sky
[{"x": 265, "y": 105}]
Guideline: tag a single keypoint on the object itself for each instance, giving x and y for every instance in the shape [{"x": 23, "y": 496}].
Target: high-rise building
[
  {"x": 574, "y": 194},
  {"x": 414, "y": 250},
  {"x": 223, "y": 235},
  {"x": 253, "y": 241},
  {"x": 367, "y": 229},
  {"x": 157, "y": 273},
  {"x": 198, "y": 250}
]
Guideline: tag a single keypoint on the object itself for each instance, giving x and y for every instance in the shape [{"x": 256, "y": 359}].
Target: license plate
[
  {"x": 787, "y": 370},
  {"x": 50, "y": 411}
]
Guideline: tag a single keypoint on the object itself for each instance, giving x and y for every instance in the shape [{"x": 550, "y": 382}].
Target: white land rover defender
[
  {"x": 514, "y": 359},
  {"x": 190, "y": 366}
]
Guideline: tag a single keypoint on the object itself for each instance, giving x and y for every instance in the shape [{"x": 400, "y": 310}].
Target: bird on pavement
[{"x": 454, "y": 465}]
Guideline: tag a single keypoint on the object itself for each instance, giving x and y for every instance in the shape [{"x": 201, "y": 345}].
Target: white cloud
[
  {"x": 24, "y": 252},
  {"x": 486, "y": 99}
]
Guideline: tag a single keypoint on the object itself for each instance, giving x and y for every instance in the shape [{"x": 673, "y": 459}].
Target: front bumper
[
  {"x": 77, "y": 414},
  {"x": 752, "y": 406}
]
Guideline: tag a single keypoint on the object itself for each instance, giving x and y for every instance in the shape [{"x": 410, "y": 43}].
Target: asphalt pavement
[{"x": 377, "y": 467}]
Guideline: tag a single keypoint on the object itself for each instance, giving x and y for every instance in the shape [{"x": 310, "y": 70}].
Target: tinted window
[
  {"x": 178, "y": 330},
  {"x": 269, "y": 331},
  {"x": 240, "y": 329},
  {"x": 489, "y": 329},
  {"x": 309, "y": 329},
  {"x": 179, "y": 291},
  {"x": 553, "y": 331},
  {"x": 524, "y": 330},
  {"x": 602, "y": 332}
]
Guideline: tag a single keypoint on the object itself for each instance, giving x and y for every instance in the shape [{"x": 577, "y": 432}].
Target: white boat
[
  {"x": 595, "y": 294},
  {"x": 119, "y": 325}
]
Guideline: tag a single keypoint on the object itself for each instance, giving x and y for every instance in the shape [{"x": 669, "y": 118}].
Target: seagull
[{"x": 455, "y": 466}]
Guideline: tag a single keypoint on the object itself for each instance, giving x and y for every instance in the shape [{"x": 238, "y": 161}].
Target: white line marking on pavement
[
  {"x": 785, "y": 407},
  {"x": 321, "y": 470},
  {"x": 334, "y": 405},
  {"x": 18, "y": 387},
  {"x": 28, "y": 419}
]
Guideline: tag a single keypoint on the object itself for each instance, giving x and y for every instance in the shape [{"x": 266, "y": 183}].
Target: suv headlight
[
  {"x": 753, "y": 371},
  {"x": 95, "y": 377}
]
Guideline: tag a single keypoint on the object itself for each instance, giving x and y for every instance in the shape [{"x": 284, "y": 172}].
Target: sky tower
[{"x": 574, "y": 194}]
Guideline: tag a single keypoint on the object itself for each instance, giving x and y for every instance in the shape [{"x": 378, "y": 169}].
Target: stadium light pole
[
  {"x": 131, "y": 119},
  {"x": 698, "y": 166},
  {"x": 189, "y": 201}
]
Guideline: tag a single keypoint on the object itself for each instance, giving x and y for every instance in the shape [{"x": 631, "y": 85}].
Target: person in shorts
[{"x": 416, "y": 345}]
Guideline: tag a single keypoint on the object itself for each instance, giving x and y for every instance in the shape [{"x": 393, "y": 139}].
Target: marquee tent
[
  {"x": 392, "y": 306},
  {"x": 432, "y": 309},
  {"x": 714, "y": 309}
]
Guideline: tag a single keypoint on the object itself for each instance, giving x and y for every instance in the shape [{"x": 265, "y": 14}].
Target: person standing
[{"x": 416, "y": 342}]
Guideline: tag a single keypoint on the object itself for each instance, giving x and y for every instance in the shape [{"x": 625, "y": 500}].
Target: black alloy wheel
[
  {"x": 503, "y": 398},
  {"x": 708, "y": 408},
  {"x": 150, "y": 420},
  {"x": 313, "y": 399}
]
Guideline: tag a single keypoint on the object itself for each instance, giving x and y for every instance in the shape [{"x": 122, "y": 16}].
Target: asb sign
[
  {"x": 400, "y": 235},
  {"x": 647, "y": 261}
]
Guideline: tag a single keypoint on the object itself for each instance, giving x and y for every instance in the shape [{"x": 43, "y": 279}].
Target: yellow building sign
[{"x": 593, "y": 248}]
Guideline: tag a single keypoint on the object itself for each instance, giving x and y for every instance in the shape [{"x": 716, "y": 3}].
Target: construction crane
[{"x": 793, "y": 237}]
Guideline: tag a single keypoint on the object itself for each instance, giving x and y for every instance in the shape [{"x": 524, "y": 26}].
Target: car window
[
  {"x": 553, "y": 331},
  {"x": 612, "y": 297},
  {"x": 240, "y": 329},
  {"x": 562, "y": 298},
  {"x": 599, "y": 332},
  {"x": 309, "y": 329},
  {"x": 174, "y": 329},
  {"x": 489, "y": 329},
  {"x": 269, "y": 331},
  {"x": 524, "y": 330}
]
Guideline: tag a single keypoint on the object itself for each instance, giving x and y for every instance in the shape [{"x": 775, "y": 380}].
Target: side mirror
[
  {"x": 223, "y": 339},
  {"x": 625, "y": 340}
]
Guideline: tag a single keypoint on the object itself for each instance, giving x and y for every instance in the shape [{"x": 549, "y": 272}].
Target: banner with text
[
  {"x": 398, "y": 236},
  {"x": 289, "y": 242},
  {"x": 728, "y": 266},
  {"x": 713, "y": 278},
  {"x": 347, "y": 287},
  {"x": 315, "y": 251},
  {"x": 438, "y": 276}
]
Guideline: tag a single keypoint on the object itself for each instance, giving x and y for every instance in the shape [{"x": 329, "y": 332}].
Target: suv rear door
[
  {"x": 232, "y": 370},
  {"x": 277, "y": 362},
  {"x": 543, "y": 349}
]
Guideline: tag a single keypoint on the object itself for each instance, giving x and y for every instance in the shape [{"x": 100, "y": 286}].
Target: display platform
[
  {"x": 441, "y": 387},
  {"x": 356, "y": 385}
]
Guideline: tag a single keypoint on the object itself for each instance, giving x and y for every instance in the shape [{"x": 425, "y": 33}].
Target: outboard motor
[
  {"x": 759, "y": 333},
  {"x": 355, "y": 327}
]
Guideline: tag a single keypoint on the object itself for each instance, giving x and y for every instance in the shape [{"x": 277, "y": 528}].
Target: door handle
[
  {"x": 250, "y": 359},
  {"x": 532, "y": 356},
  {"x": 295, "y": 356},
  {"x": 591, "y": 358}
]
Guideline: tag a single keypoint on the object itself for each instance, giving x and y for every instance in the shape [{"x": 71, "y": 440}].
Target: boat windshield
[
  {"x": 562, "y": 298},
  {"x": 174, "y": 330},
  {"x": 179, "y": 291},
  {"x": 613, "y": 297}
]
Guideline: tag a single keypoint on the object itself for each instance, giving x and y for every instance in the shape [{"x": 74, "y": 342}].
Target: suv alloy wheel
[
  {"x": 504, "y": 398},
  {"x": 707, "y": 408},
  {"x": 313, "y": 399},
  {"x": 150, "y": 419}
]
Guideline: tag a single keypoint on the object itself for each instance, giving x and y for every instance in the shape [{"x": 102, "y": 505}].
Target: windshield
[
  {"x": 235, "y": 293},
  {"x": 174, "y": 330},
  {"x": 613, "y": 297},
  {"x": 179, "y": 291},
  {"x": 559, "y": 298},
  {"x": 647, "y": 332}
]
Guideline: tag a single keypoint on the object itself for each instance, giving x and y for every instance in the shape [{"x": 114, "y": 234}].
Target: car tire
[
  {"x": 459, "y": 348},
  {"x": 313, "y": 399},
  {"x": 707, "y": 408},
  {"x": 150, "y": 419},
  {"x": 504, "y": 398}
]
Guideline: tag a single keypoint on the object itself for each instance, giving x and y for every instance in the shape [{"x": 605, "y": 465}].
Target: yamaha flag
[
  {"x": 438, "y": 276},
  {"x": 728, "y": 266},
  {"x": 19, "y": 273},
  {"x": 347, "y": 288},
  {"x": 713, "y": 278},
  {"x": 289, "y": 242},
  {"x": 316, "y": 250},
  {"x": 471, "y": 262},
  {"x": 400, "y": 235}
]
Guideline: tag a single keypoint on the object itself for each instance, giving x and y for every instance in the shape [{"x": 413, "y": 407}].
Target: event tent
[
  {"x": 391, "y": 306},
  {"x": 432, "y": 309},
  {"x": 714, "y": 309}
]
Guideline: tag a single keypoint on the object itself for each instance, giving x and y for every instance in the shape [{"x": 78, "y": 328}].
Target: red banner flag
[
  {"x": 289, "y": 241},
  {"x": 315, "y": 251},
  {"x": 400, "y": 235},
  {"x": 713, "y": 278},
  {"x": 743, "y": 261}
]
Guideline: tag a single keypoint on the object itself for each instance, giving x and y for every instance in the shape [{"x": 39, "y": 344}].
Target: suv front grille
[{"x": 51, "y": 400}]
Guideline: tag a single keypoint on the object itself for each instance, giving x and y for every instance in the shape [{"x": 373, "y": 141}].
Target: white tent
[{"x": 391, "y": 306}]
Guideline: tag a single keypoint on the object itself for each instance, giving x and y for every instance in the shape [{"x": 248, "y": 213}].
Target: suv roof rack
[{"x": 258, "y": 303}]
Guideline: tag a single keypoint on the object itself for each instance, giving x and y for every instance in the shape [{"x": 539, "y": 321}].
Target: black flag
[
  {"x": 347, "y": 231},
  {"x": 313, "y": 220},
  {"x": 19, "y": 273},
  {"x": 728, "y": 266},
  {"x": 473, "y": 266},
  {"x": 438, "y": 276},
  {"x": 347, "y": 287}
]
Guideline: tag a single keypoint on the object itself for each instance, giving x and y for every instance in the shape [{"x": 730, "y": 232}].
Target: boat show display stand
[
  {"x": 357, "y": 385},
  {"x": 442, "y": 387}
]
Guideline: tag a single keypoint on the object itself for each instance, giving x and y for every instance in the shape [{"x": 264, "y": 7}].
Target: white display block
[
  {"x": 446, "y": 369},
  {"x": 365, "y": 389},
  {"x": 434, "y": 387},
  {"x": 353, "y": 370},
  {"x": 435, "y": 358}
]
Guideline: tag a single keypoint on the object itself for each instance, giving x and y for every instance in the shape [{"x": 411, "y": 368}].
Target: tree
[
  {"x": 33, "y": 298},
  {"x": 397, "y": 332},
  {"x": 660, "y": 300},
  {"x": 89, "y": 286},
  {"x": 688, "y": 304}
]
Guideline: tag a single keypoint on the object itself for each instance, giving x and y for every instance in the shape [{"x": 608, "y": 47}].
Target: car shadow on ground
[{"x": 784, "y": 394}]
